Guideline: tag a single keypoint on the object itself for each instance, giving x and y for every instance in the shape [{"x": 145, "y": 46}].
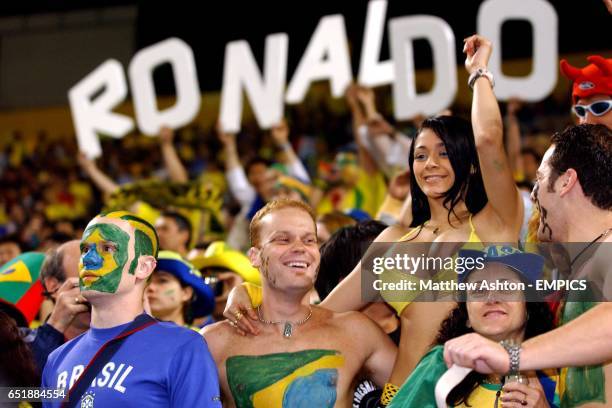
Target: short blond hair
[{"x": 273, "y": 206}]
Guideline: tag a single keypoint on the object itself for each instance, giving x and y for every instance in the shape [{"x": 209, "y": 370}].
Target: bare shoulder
[
  {"x": 392, "y": 233},
  {"x": 217, "y": 332},
  {"x": 354, "y": 322}
]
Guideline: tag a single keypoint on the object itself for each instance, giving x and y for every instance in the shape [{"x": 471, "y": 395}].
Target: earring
[
  {"x": 472, "y": 169},
  {"x": 468, "y": 324}
]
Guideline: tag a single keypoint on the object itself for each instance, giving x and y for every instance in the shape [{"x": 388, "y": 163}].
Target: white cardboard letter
[
  {"x": 543, "y": 19},
  {"x": 91, "y": 117},
  {"x": 402, "y": 31},
  {"x": 372, "y": 72},
  {"x": 178, "y": 54},
  {"x": 265, "y": 95},
  {"x": 326, "y": 57}
]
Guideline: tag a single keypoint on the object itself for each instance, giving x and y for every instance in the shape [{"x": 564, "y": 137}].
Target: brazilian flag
[
  {"x": 20, "y": 286},
  {"x": 301, "y": 379}
]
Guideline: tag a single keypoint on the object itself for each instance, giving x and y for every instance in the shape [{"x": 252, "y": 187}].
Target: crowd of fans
[{"x": 197, "y": 203}]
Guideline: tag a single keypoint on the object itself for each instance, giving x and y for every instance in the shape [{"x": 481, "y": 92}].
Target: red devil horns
[
  {"x": 570, "y": 71},
  {"x": 603, "y": 64}
]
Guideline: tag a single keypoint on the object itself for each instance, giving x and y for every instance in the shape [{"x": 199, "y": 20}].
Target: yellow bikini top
[{"x": 473, "y": 238}]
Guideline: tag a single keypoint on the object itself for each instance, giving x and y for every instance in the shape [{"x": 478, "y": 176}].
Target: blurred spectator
[
  {"x": 255, "y": 187},
  {"x": 177, "y": 293},
  {"x": 174, "y": 232},
  {"x": 224, "y": 268},
  {"x": 70, "y": 315},
  {"x": 329, "y": 223},
  {"x": 9, "y": 248},
  {"x": 530, "y": 159}
]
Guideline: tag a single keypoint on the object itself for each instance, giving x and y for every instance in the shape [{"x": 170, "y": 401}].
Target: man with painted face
[
  {"x": 118, "y": 255},
  {"x": 304, "y": 355},
  {"x": 574, "y": 197}
]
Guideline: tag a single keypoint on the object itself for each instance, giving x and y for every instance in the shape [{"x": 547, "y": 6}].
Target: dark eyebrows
[{"x": 422, "y": 147}]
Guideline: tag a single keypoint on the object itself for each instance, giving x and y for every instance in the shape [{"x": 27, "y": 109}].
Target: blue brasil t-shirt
[{"x": 163, "y": 365}]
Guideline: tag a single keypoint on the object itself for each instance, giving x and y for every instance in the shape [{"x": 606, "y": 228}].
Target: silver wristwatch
[
  {"x": 480, "y": 72},
  {"x": 514, "y": 354}
]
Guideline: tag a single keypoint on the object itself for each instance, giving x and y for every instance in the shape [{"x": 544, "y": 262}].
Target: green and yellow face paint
[
  {"x": 104, "y": 253},
  {"x": 146, "y": 241}
]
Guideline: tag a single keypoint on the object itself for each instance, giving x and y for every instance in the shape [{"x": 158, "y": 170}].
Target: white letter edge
[
  {"x": 265, "y": 94},
  {"x": 326, "y": 57},
  {"x": 448, "y": 381},
  {"x": 402, "y": 31},
  {"x": 178, "y": 54},
  {"x": 91, "y": 117},
  {"x": 372, "y": 72},
  {"x": 543, "y": 19}
]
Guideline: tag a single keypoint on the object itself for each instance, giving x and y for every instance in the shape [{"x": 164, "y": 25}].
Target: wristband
[
  {"x": 389, "y": 391},
  {"x": 480, "y": 72}
]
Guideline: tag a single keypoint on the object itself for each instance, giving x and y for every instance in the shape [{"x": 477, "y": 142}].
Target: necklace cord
[{"x": 600, "y": 236}]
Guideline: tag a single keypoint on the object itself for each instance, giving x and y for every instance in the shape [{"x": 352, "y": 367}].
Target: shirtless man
[{"x": 303, "y": 355}]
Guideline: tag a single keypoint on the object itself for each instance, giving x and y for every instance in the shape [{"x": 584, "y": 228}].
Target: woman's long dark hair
[
  {"x": 17, "y": 367},
  {"x": 539, "y": 320},
  {"x": 458, "y": 138}
]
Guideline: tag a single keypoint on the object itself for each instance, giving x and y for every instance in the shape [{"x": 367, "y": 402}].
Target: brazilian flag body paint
[
  {"x": 104, "y": 253},
  {"x": 306, "y": 378}
]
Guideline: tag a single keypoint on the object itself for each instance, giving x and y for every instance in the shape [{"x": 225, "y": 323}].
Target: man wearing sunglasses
[{"x": 592, "y": 90}]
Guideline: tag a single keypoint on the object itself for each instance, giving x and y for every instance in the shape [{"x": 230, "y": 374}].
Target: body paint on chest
[{"x": 303, "y": 378}]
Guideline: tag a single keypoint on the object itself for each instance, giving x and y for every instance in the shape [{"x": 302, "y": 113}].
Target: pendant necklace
[
  {"x": 288, "y": 328},
  {"x": 436, "y": 230}
]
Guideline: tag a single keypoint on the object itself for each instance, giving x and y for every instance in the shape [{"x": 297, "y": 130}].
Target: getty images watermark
[{"x": 408, "y": 272}]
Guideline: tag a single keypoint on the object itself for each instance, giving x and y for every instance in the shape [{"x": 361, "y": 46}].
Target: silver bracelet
[
  {"x": 514, "y": 354},
  {"x": 480, "y": 72}
]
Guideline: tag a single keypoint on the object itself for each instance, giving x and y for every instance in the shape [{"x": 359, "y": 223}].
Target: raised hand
[
  {"x": 280, "y": 133},
  {"x": 399, "y": 186},
  {"x": 513, "y": 106},
  {"x": 68, "y": 304},
  {"x": 351, "y": 96},
  {"x": 166, "y": 135},
  {"x": 224, "y": 137},
  {"x": 477, "y": 50},
  {"x": 378, "y": 126},
  {"x": 365, "y": 95},
  {"x": 85, "y": 162}
]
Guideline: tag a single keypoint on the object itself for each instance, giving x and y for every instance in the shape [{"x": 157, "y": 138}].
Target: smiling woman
[{"x": 497, "y": 315}]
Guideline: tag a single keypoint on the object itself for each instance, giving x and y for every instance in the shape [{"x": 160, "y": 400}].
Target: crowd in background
[
  {"x": 202, "y": 190},
  {"x": 47, "y": 197}
]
